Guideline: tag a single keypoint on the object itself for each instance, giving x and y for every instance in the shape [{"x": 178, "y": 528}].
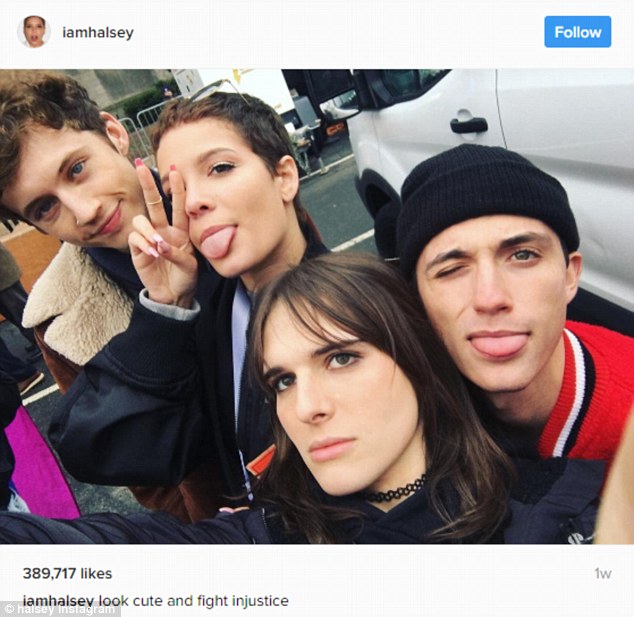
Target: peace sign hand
[{"x": 161, "y": 253}]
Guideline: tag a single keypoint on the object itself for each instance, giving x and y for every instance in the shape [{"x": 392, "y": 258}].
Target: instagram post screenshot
[{"x": 318, "y": 309}]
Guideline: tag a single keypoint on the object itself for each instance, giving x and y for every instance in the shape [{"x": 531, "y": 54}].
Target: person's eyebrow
[
  {"x": 525, "y": 238},
  {"x": 34, "y": 203},
  {"x": 442, "y": 258},
  {"x": 333, "y": 346},
  {"x": 201, "y": 158},
  {"x": 517, "y": 240},
  {"x": 320, "y": 351},
  {"x": 271, "y": 373}
]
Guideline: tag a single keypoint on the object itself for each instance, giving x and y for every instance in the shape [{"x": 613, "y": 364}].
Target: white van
[{"x": 577, "y": 125}]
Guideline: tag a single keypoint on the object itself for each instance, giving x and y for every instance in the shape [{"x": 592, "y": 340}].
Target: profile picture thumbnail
[{"x": 33, "y": 31}]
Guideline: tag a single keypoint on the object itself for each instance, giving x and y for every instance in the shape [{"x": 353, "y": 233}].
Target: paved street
[
  {"x": 338, "y": 212},
  {"x": 333, "y": 202}
]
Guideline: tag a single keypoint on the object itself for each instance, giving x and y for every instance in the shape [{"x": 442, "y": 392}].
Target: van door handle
[{"x": 475, "y": 125}]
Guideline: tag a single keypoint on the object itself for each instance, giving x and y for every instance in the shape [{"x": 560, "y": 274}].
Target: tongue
[
  {"x": 217, "y": 245},
  {"x": 499, "y": 346}
]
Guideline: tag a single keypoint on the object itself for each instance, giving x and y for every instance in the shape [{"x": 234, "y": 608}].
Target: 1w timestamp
[{"x": 65, "y": 573}]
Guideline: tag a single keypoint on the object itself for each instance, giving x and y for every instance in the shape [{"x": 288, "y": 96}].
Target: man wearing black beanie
[{"x": 492, "y": 245}]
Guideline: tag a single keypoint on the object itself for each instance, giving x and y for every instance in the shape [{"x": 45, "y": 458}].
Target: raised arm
[
  {"x": 616, "y": 516},
  {"x": 147, "y": 528}
]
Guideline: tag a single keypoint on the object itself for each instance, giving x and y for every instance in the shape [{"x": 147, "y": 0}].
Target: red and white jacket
[{"x": 596, "y": 396}]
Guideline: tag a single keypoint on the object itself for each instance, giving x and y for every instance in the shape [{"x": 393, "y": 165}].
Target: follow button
[{"x": 579, "y": 31}]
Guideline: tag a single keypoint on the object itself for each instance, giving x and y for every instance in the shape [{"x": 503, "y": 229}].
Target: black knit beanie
[{"x": 471, "y": 181}]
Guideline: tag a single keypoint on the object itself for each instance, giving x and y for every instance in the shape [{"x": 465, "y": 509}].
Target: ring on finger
[{"x": 153, "y": 203}]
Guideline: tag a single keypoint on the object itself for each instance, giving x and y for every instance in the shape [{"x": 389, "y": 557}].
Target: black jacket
[
  {"x": 157, "y": 401},
  {"x": 555, "y": 502}
]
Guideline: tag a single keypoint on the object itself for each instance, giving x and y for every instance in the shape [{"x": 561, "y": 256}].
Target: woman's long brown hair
[{"x": 366, "y": 298}]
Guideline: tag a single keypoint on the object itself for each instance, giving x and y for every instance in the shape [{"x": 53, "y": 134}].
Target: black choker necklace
[{"x": 401, "y": 491}]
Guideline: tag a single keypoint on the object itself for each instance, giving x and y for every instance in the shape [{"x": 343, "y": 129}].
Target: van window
[{"x": 408, "y": 83}]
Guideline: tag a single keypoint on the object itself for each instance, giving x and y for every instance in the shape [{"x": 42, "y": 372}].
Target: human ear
[
  {"x": 288, "y": 176},
  {"x": 573, "y": 274},
  {"x": 116, "y": 133}
]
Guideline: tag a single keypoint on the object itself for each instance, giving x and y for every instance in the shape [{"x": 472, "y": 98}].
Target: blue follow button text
[{"x": 578, "y": 31}]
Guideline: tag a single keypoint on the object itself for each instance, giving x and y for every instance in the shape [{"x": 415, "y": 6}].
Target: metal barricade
[
  {"x": 146, "y": 118},
  {"x": 140, "y": 146}
]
